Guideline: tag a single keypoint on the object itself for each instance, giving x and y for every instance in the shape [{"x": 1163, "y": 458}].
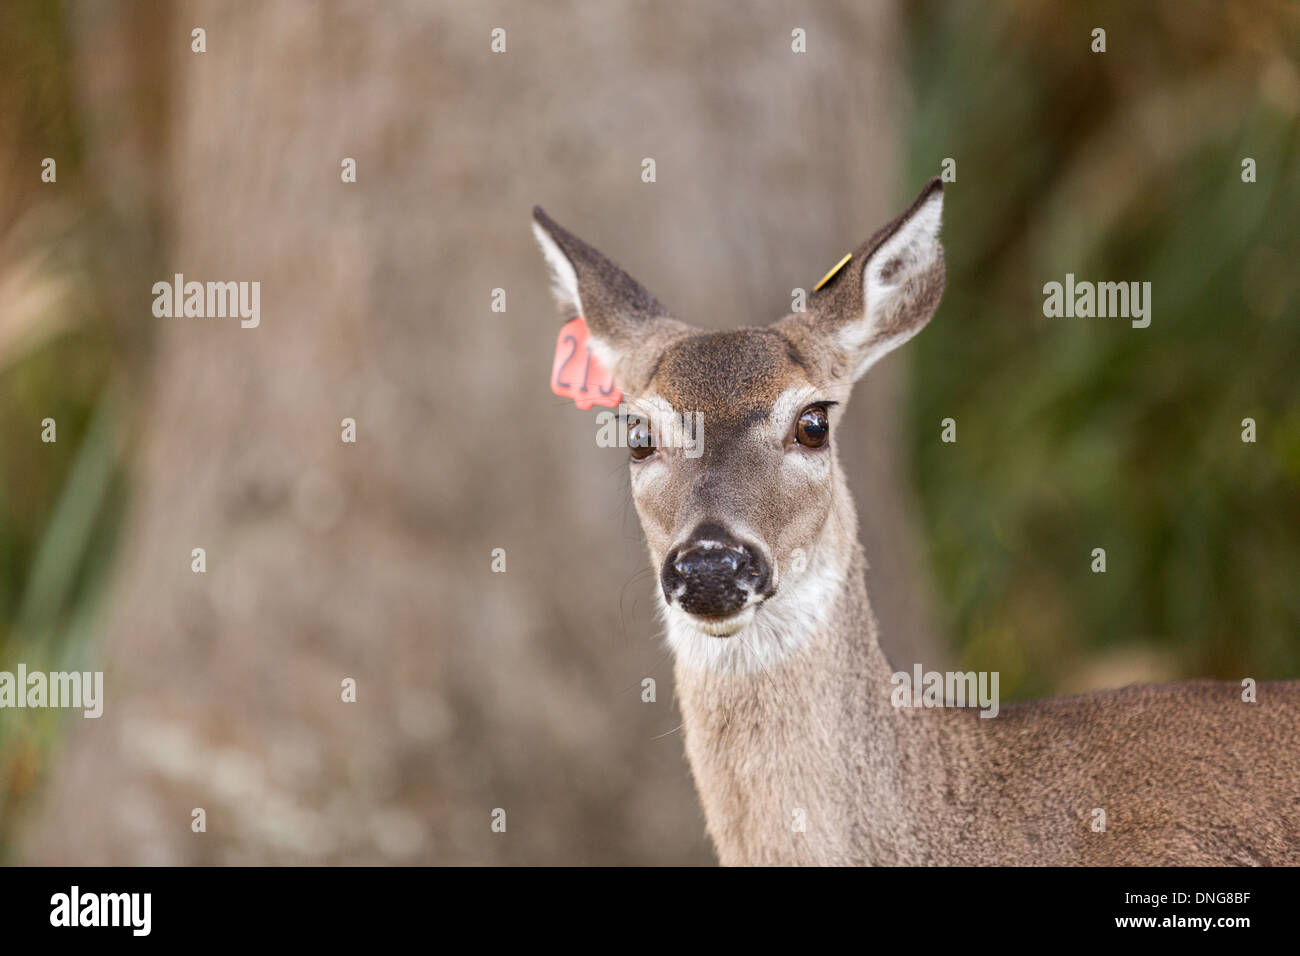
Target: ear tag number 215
[{"x": 579, "y": 375}]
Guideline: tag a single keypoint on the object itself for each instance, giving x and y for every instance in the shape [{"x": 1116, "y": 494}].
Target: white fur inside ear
[
  {"x": 910, "y": 251},
  {"x": 564, "y": 281},
  {"x": 912, "y": 248}
]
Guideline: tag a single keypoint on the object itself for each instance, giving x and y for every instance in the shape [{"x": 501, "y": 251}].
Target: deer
[{"x": 797, "y": 749}]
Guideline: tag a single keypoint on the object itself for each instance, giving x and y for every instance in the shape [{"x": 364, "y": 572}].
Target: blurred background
[{"x": 522, "y": 690}]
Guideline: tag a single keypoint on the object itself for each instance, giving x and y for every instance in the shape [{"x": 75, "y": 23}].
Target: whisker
[{"x": 668, "y": 732}]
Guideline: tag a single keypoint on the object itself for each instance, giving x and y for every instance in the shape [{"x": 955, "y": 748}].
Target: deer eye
[
  {"x": 813, "y": 427},
  {"x": 639, "y": 439}
]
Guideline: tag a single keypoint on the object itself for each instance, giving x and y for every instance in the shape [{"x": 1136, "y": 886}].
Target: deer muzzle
[{"x": 714, "y": 575}]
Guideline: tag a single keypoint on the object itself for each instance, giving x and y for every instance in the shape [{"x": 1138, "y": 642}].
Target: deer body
[
  {"x": 797, "y": 750},
  {"x": 1187, "y": 773}
]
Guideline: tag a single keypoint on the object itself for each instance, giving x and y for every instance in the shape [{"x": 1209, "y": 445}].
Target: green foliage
[
  {"x": 59, "y": 501},
  {"x": 1079, "y": 433}
]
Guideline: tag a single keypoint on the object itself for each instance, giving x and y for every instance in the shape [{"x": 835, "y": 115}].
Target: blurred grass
[
  {"x": 1076, "y": 433},
  {"x": 59, "y": 359}
]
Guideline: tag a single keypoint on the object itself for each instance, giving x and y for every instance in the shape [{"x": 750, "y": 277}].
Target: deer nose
[
  {"x": 705, "y": 561},
  {"x": 714, "y": 575}
]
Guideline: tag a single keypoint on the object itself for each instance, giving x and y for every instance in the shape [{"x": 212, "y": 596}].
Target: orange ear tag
[{"x": 577, "y": 374}]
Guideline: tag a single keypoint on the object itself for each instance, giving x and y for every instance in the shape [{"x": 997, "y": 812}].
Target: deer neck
[{"x": 797, "y": 753}]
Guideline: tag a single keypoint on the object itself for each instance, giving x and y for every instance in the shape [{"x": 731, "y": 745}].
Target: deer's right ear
[{"x": 625, "y": 323}]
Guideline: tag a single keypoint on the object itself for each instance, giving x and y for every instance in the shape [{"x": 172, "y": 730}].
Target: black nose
[{"x": 713, "y": 574}]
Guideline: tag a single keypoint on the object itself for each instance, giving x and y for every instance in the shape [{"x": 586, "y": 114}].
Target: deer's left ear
[{"x": 885, "y": 293}]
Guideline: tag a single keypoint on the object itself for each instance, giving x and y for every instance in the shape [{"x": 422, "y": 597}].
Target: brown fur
[
  {"x": 1187, "y": 773},
  {"x": 729, "y": 376}
]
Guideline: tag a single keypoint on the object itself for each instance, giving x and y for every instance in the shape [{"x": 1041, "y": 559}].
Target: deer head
[{"x": 751, "y": 535}]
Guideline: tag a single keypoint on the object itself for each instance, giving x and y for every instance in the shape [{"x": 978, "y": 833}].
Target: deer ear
[
  {"x": 887, "y": 291},
  {"x": 624, "y": 321}
]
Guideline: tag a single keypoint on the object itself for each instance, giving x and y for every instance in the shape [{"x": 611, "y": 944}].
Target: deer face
[
  {"x": 732, "y": 434},
  {"x": 729, "y": 524}
]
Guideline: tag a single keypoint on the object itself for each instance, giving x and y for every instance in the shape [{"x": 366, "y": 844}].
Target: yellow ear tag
[{"x": 830, "y": 275}]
